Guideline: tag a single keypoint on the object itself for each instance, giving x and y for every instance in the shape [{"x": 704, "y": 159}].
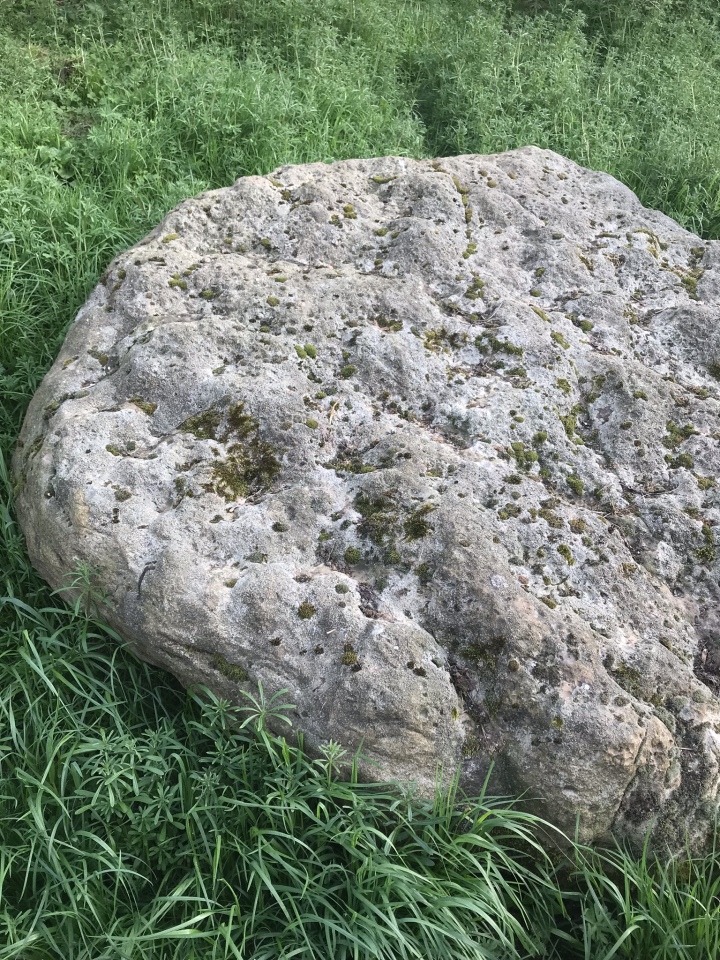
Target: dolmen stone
[{"x": 431, "y": 445}]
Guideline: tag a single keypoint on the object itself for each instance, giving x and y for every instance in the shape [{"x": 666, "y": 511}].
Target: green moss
[
  {"x": 475, "y": 290},
  {"x": 539, "y": 272},
  {"x": 470, "y": 249},
  {"x": 248, "y": 467},
  {"x": 689, "y": 280},
  {"x": 379, "y": 179},
  {"x": 558, "y": 338},
  {"x": 122, "y": 495},
  {"x": 177, "y": 281},
  {"x": 552, "y": 519},
  {"x": 350, "y": 464},
  {"x": 563, "y": 385},
  {"x": 640, "y": 395},
  {"x": 313, "y": 424},
  {"x": 484, "y": 654},
  {"x": 472, "y": 747},
  {"x": 381, "y": 232},
  {"x": 440, "y": 337},
  {"x": 265, "y": 242},
  {"x": 705, "y": 483},
  {"x": 169, "y": 237},
  {"x": 539, "y": 438},
  {"x": 629, "y": 678},
  {"x": 387, "y": 323},
  {"x": 273, "y": 301},
  {"x": 575, "y": 484},
  {"x": 349, "y": 212},
  {"x": 279, "y": 527},
  {"x": 342, "y": 588},
  {"x": 102, "y": 358},
  {"x": 114, "y": 450},
  {"x": 231, "y": 671},
  {"x": 182, "y": 488},
  {"x": 203, "y": 425},
  {"x": 565, "y": 552},
  {"x": 349, "y": 657},
  {"x": 541, "y": 313},
  {"x": 379, "y": 518},
  {"x": 424, "y": 573},
  {"x": 144, "y": 405},
  {"x": 460, "y": 187},
  {"x": 677, "y": 435},
  {"x": 536, "y": 292},
  {"x": 352, "y": 556},
  {"x": 523, "y": 457},
  {"x": 549, "y": 602},
  {"x": 707, "y": 553},
  {"x": 250, "y": 464},
  {"x": 256, "y": 557},
  {"x": 306, "y": 610},
  {"x": 488, "y": 343},
  {"x": 569, "y": 421},
  {"x": 680, "y": 461},
  {"x": 348, "y": 371},
  {"x": 416, "y": 526},
  {"x": 577, "y": 525},
  {"x": 509, "y": 510}
]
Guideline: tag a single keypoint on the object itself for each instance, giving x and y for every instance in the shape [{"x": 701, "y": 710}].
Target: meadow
[{"x": 139, "y": 821}]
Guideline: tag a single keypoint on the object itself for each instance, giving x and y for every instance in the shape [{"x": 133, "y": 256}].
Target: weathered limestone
[{"x": 431, "y": 444}]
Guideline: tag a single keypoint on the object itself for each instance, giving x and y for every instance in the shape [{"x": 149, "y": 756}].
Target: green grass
[{"x": 135, "y": 821}]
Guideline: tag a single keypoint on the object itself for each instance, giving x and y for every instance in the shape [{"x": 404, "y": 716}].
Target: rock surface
[{"x": 431, "y": 444}]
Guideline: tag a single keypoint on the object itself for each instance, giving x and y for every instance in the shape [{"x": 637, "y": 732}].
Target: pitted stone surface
[{"x": 433, "y": 446}]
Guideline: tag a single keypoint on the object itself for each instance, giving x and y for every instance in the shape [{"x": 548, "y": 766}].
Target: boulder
[{"x": 430, "y": 444}]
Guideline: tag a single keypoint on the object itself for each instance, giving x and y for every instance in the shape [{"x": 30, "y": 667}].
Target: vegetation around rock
[{"x": 136, "y": 821}]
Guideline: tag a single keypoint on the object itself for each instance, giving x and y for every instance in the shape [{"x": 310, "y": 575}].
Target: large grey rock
[{"x": 431, "y": 444}]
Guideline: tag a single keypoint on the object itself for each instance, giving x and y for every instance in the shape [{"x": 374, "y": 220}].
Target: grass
[{"x": 136, "y": 821}]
